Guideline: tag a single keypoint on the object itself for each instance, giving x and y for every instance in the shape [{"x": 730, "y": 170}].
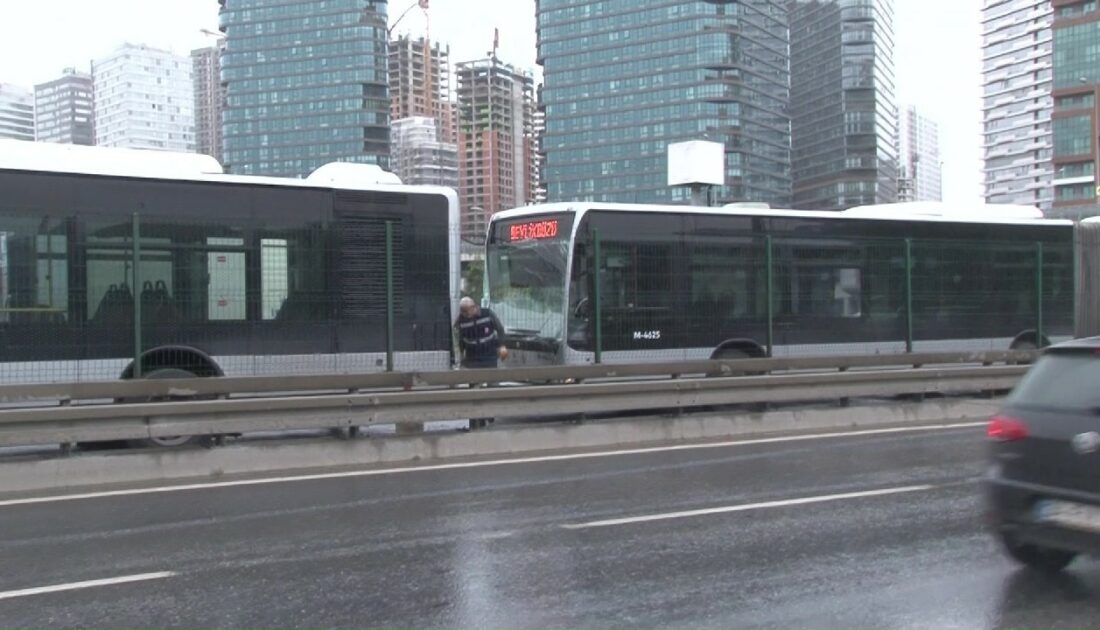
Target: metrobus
[
  {"x": 678, "y": 282},
  {"x": 106, "y": 254}
]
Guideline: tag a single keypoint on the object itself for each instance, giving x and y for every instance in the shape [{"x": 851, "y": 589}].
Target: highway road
[{"x": 868, "y": 529}]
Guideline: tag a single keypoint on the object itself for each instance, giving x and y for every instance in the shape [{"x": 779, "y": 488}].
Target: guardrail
[{"x": 85, "y": 412}]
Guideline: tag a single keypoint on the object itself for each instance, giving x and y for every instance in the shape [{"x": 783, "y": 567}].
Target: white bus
[
  {"x": 678, "y": 282},
  {"x": 236, "y": 275}
]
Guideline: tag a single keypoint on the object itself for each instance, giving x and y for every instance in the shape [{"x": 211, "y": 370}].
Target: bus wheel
[
  {"x": 737, "y": 353},
  {"x": 1027, "y": 341},
  {"x": 731, "y": 353},
  {"x": 169, "y": 441}
]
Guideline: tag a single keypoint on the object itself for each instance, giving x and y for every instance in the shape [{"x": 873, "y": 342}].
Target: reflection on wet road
[{"x": 879, "y": 530}]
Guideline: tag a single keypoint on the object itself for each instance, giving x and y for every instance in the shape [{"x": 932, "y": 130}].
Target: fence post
[
  {"x": 389, "y": 296},
  {"x": 1076, "y": 286},
  {"x": 596, "y": 295},
  {"x": 770, "y": 279},
  {"x": 136, "y": 275},
  {"x": 1039, "y": 294},
  {"x": 909, "y": 295}
]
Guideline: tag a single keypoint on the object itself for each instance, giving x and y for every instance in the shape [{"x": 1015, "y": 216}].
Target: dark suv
[{"x": 1043, "y": 488}]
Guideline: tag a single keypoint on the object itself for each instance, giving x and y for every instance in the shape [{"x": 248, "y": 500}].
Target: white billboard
[{"x": 696, "y": 162}]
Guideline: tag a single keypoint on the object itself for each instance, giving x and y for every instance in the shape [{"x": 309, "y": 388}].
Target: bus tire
[
  {"x": 173, "y": 441},
  {"x": 1027, "y": 340},
  {"x": 738, "y": 349}
]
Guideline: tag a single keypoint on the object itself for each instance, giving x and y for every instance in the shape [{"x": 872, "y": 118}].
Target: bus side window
[
  {"x": 292, "y": 276},
  {"x": 636, "y": 275},
  {"x": 826, "y": 281},
  {"x": 34, "y": 280},
  {"x": 721, "y": 279}
]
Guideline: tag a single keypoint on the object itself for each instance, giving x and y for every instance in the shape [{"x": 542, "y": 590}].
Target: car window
[{"x": 1061, "y": 381}]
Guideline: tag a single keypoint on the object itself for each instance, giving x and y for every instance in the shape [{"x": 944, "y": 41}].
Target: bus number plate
[{"x": 648, "y": 335}]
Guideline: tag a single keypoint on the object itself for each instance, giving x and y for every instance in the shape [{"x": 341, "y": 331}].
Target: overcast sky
[{"x": 937, "y": 56}]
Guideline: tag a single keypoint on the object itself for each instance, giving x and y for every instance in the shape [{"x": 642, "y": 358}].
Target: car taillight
[{"x": 1006, "y": 429}]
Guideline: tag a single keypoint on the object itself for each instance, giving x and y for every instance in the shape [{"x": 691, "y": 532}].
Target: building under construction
[
  {"x": 420, "y": 83},
  {"x": 496, "y": 141}
]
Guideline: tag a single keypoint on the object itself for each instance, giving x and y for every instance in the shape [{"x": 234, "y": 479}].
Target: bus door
[{"x": 639, "y": 298}]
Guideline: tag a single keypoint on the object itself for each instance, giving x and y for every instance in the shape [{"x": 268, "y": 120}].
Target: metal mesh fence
[
  {"x": 84, "y": 293},
  {"x": 703, "y": 296},
  {"x": 81, "y": 296}
]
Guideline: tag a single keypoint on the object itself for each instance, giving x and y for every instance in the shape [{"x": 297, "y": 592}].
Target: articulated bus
[
  {"x": 651, "y": 283},
  {"x": 234, "y": 275}
]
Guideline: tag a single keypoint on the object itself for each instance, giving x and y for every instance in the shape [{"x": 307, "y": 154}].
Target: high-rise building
[
  {"x": 306, "y": 85},
  {"x": 1017, "y": 103},
  {"x": 209, "y": 100},
  {"x": 144, "y": 100},
  {"x": 64, "y": 109},
  {"x": 843, "y": 109},
  {"x": 16, "y": 112},
  {"x": 920, "y": 174},
  {"x": 420, "y": 156},
  {"x": 1076, "y": 114},
  {"x": 623, "y": 79},
  {"x": 420, "y": 82},
  {"x": 540, "y": 154},
  {"x": 496, "y": 152}
]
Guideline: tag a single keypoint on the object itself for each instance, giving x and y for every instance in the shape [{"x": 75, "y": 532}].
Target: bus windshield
[{"x": 526, "y": 272}]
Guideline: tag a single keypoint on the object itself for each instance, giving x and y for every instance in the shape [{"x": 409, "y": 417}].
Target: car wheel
[{"x": 1037, "y": 557}]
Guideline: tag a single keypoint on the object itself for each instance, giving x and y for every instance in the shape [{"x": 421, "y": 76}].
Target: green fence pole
[
  {"x": 596, "y": 295},
  {"x": 389, "y": 296},
  {"x": 909, "y": 295},
  {"x": 770, "y": 279},
  {"x": 1075, "y": 252},
  {"x": 1039, "y": 294},
  {"x": 136, "y": 275}
]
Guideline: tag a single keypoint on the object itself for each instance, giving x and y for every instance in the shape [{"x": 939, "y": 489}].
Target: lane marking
[
  {"x": 73, "y": 586},
  {"x": 481, "y": 464},
  {"x": 747, "y": 507}
]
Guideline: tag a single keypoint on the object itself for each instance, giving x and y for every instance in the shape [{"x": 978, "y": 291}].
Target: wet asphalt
[{"x": 511, "y": 545}]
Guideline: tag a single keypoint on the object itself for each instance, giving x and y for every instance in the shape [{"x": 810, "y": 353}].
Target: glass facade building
[
  {"x": 1076, "y": 86},
  {"x": 623, "y": 79},
  {"x": 306, "y": 85},
  {"x": 844, "y": 116},
  {"x": 1017, "y": 104}
]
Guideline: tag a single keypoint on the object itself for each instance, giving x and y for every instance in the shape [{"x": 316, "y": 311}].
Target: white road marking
[
  {"x": 73, "y": 586},
  {"x": 480, "y": 464},
  {"x": 747, "y": 507}
]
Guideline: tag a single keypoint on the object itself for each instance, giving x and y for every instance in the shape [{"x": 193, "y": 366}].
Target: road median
[{"x": 246, "y": 458}]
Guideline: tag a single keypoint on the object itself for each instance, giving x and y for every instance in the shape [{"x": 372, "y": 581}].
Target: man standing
[
  {"x": 480, "y": 341},
  {"x": 480, "y": 336}
]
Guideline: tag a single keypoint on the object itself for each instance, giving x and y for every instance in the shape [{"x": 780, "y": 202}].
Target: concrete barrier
[{"x": 84, "y": 470}]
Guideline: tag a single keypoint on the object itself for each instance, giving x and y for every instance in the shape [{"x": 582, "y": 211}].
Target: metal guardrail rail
[{"x": 306, "y": 402}]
